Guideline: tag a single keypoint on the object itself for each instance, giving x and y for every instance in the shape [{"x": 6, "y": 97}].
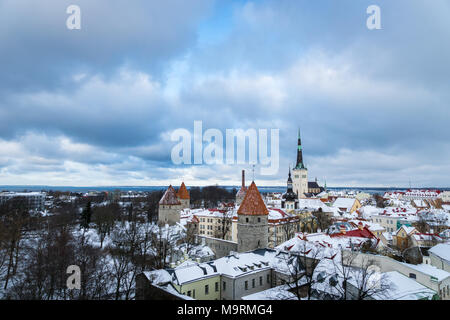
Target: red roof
[
  {"x": 364, "y": 233},
  {"x": 253, "y": 203},
  {"x": 169, "y": 197},
  {"x": 183, "y": 192}
]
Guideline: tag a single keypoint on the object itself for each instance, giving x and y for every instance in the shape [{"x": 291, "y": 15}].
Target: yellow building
[
  {"x": 205, "y": 288},
  {"x": 349, "y": 205}
]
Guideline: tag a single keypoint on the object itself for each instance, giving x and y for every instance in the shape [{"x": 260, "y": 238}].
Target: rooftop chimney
[{"x": 243, "y": 178}]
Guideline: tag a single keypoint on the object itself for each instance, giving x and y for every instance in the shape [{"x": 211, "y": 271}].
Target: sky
[{"x": 97, "y": 106}]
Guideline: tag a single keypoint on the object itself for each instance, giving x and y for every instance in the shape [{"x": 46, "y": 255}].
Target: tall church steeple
[
  {"x": 300, "y": 173},
  {"x": 300, "y": 164}
]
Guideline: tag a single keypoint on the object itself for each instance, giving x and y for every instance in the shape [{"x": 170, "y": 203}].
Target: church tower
[
  {"x": 252, "y": 226},
  {"x": 300, "y": 172},
  {"x": 289, "y": 199}
]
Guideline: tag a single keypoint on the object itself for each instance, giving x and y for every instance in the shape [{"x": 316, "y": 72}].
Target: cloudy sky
[{"x": 97, "y": 106}]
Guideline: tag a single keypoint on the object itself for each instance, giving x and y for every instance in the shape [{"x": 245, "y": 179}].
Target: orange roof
[
  {"x": 183, "y": 192},
  {"x": 253, "y": 203},
  {"x": 169, "y": 197}
]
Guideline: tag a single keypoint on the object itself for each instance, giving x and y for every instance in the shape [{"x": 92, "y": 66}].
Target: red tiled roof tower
[
  {"x": 183, "y": 193},
  {"x": 253, "y": 203}
]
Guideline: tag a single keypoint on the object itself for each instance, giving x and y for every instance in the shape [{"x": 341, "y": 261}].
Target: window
[
  {"x": 412, "y": 275},
  {"x": 217, "y": 286},
  {"x": 260, "y": 281},
  {"x": 246, "y": 285},
  {"x": 206, "y": 289},
  {"x": 189, "y": 293},
  {"x": 268, "y": 278},
  {"x": 224, "y": 286},
  {"x": 193, "y": 294},
  {"x": 246, "y": 219},
  {"x": 259, "y": 219},
  {"x": 253, "y": 283}
]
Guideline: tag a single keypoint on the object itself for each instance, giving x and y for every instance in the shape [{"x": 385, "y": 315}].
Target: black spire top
[
  {"x": 300, "y": 164},
  {"x": 289, "y": 177},
  {"x": 289, "y": 195}
]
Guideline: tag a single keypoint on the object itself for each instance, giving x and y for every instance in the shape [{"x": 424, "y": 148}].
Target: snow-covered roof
[
  {"x": 427, "y": 269},
  {"x": 407, "y": 229},
  {"x": 372, "y": 226},
  {"x": 344, "y": 203},
  {"x": 192, "y": 272},
  {"x": 233, "y": 265},
  {"x": 403, "y": 288},
  {"x": 426, "y": 237},
  {"x": 387, "y": 235},
  {"x": 321, "y": 245},
  {"x": 441, "y": 250},
  {"x": 314, "y": 204},
  {"x": 279, "y": 215},
  {"x": 277, "y": 293},
  {"x": 163, "y": 280}
]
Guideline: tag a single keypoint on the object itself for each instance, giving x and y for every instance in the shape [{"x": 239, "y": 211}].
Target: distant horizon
[{"x": 49, "y": 187}]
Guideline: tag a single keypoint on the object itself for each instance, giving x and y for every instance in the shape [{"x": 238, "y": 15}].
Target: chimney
[{"x": 243, "y": 178}]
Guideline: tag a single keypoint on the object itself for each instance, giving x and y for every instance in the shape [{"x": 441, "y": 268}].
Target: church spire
[
  {"x": 289, "y": 181},
  {"x": 300, "y": 164}
]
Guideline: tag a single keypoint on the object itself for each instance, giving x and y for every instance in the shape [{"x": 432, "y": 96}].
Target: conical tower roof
[
  {"x": 169, "y": 197},
  {"x": 253, "y": 203},
  {"x": 183, "y": 193}
]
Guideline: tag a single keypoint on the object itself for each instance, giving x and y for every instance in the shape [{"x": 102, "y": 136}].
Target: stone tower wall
[
  {"x": 252, "y": 234},
  {"x": 169, "y": 214}
]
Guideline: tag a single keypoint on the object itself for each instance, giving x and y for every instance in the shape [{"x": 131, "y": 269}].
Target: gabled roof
[
  {"x": 344, "y": 203},
  {"x": 313, "y": 185},
  {"x": 183, "y": 193},
  {"x": 253, "y": 203},
  {"x": 360, "y": 233},
  {"x": 407, "y": 229},
  {"x": 442, "y": 251},
  {"x": 169, "y": 197}
]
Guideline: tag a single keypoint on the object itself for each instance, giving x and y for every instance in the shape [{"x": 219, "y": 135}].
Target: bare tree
[
  {"x": 301, "y": 265},
  {"x": 323, "y": 219},
  {"x": 13, "y": 219},
  {"x": 358, "y": 277},
  {"x": 225, "y": 223}
]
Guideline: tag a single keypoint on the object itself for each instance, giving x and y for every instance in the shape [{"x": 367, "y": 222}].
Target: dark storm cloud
[{"x": 38, "y": 51}]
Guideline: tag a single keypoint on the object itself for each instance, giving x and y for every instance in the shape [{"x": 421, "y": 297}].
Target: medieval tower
[
  {"x": 300, "y": 173},
  {"x": 169, "y": 207},
  {"x": 183, "y": 196},
  {"x": 252, "y": 225}
]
